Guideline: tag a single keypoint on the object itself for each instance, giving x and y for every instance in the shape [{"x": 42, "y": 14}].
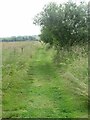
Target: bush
[{"x": 63, "y": 25}]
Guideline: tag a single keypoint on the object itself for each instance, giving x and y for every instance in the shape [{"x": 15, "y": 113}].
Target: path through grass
[{"x": 35, "y": 87}]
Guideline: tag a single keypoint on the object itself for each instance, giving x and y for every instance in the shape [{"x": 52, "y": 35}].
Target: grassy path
[{"x": 38, "y": 89}]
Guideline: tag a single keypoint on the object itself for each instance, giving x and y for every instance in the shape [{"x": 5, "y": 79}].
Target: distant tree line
[
  {"x": 18, "y": 38},
  {"x": 63, "y": 25}
]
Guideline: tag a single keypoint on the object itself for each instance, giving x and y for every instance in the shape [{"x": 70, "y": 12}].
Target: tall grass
[
  {"x": 75, "y": 63},
  {"x": 0, "y": 80}
]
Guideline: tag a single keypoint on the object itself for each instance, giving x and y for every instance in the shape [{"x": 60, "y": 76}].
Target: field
[
  {"x": 34, "y": 86},
  {"x": 0, "y": 80}
]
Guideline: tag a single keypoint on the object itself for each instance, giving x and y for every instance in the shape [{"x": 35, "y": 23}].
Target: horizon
[{"x": 19, "y": 36}]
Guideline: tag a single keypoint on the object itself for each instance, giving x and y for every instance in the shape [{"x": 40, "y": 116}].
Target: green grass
[{"x": 35, "y": 87}]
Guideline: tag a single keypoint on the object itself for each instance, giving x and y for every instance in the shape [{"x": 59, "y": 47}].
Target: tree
[{"x": 63, "y": 25}]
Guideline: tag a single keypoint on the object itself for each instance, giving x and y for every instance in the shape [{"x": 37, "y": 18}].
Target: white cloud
[{"x": 16, "y": 16}]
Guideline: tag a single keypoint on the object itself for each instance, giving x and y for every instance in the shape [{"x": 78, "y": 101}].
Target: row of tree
[
  {"x": 63, "y": 25},
  {"x": 18, "y": 38}
]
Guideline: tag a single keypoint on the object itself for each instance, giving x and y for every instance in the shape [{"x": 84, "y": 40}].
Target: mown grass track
[{"x": 33, "y": 86}]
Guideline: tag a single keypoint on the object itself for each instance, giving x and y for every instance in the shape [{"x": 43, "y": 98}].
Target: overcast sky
[{"x": 16, "y": 16}]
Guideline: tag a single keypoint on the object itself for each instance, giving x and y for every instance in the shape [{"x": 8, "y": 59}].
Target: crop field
[{"x": 34, "y": 86}]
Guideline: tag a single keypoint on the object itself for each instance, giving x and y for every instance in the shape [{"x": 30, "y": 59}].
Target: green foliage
[{"x": 63, "y": 25}]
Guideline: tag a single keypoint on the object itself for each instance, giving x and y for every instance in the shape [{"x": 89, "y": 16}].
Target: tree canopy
[{"x": 63, "y": 25}]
